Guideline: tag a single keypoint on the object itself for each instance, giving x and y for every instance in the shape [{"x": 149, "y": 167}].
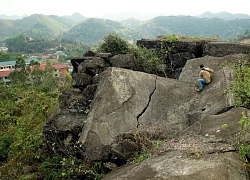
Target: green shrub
[
  {"x": 240, "y": 84},
  {"x": 5, "y": 143},
  {"x": 22, "y": 118},
  {"x": 113, "y": 44},
  {"x": 147, "y": 59},
  {"x": 243, "y": 143}
]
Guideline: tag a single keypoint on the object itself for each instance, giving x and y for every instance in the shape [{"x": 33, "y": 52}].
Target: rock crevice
[{"x": 145, "y": 108}]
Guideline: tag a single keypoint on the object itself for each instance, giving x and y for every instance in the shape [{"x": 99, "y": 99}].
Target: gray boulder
[
  {"x": 220, "y": 49},
  {"x": 62, "y": 130},
  {"x": 92, "y": 66},
  {"x": 127, "y": 61},
  {"x": 128, "y": 101},
  {"x": 81, "y": 80},
  {"x": 203, "y": 151},
  {"x": 178, "y": 165}
]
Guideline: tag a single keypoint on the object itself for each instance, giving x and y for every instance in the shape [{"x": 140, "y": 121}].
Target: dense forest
[{"x": 21, "y": 45}]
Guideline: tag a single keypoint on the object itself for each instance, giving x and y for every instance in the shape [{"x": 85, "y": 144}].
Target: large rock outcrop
[
  {"x": 176, "y": 53},
  {"x": 129, "y": 101},
  {"x": 115, "y": 104},
  {"x": 206, "y": 149},
  {"x": 126, "y": 101}
]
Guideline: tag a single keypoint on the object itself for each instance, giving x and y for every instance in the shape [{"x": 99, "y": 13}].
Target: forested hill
[
  {"x": 224, "y": 15},
  {"x": 36, "y": 25},
  {"x": 92, "y": 30},
  {"x": 192, "y": 26}
]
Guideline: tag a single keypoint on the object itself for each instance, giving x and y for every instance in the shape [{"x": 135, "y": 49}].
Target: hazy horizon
[
  {"x": 126, "y": 15},
  {"x": 98, "y": 8}
]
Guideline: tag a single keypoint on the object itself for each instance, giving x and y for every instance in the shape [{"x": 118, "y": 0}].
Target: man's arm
[{"x": 209, "y": 70}]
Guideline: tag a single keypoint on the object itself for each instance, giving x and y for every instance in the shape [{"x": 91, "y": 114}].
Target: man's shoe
[{"x": 198, "y": 90}]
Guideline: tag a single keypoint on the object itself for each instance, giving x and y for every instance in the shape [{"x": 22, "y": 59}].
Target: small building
[
  {"x": 59, "y": 71},
  {"x": 10, "y": 65},
  {"x": 5, "y": 49},
  {"x": 4, "y": 76}
]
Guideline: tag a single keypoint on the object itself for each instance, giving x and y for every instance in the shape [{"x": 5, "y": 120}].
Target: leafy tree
[
  {"x": 6, "y": 56},
  {"x": 16, "y": 44},
  {"x": 19, "y": 76},
  {"x": 74, "y": 49},
  {"x": 20, "y": 64},
  {"x": 113, "y": 44}
]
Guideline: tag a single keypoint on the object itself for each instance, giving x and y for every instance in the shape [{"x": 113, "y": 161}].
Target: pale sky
[{"x": 95, "y": 8}]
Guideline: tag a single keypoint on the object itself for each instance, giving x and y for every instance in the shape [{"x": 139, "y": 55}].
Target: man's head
[{"x": 201, "y": 66}]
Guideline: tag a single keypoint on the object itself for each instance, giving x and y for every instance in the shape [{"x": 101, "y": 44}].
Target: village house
[
  {"x": 9, "y": 66},
  {"x": 5, "y": 49}
]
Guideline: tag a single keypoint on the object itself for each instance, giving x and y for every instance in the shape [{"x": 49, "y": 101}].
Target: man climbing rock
[{"x": 204, "y": 77}]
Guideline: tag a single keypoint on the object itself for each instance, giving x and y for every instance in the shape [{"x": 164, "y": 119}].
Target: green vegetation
[
  {"x": 36, "y": 25},
  {"x": 44, "y": 46},
  {"x": 243, "y": 143},
  {"x": 147, "y": 59},
  {"x": 113, "y": 44},
  {"x": 240, "y": 84},
  {"x": 246, "y": 35},
  {"x": 147, "y": 143},
  {"x": 241, "y": 93},
  {"x": 5, "y": 56},
  {"x": 192, "y": 26},
  {"x": 28, "y": 45},
  {"x": 22, "y": 116},
  {"x": 23, "y": 109},
  {"x": 92, "y": 30}
]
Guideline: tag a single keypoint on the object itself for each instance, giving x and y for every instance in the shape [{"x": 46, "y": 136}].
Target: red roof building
[{"x": 59, "y": 71}]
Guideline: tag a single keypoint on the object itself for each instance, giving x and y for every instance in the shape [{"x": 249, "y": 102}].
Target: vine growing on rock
[
  {"x": 240, "y": 84},
  {"x": 241, "y": 94},
  {"x": 243, "y": 143},
  {"x": 167, "y": 46}
]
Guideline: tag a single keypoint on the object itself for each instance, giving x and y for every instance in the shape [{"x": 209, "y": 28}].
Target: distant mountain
[
  {"x": 193, "y": 26},
  {"x": 92, "y": 30},
  {"x": 3, "y": 16},
  {"x": 76, "y": 17},
  {"x": 128, "y": 15},
  {"x": 6, "y": 28},
  {"x": 36, "y": 25},
  {"x": 132, "y": 23},
  {"x": 224, "y": 15}
]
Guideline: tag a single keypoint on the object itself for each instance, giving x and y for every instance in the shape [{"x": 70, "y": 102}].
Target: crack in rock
[
  {"x": 225, "y": 109},
  {"x": 145, "y": 108},
  {"x": 133, "y": 93}
]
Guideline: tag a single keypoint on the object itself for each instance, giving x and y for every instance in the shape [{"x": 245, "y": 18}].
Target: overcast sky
[{"x": 95, "y": 8}]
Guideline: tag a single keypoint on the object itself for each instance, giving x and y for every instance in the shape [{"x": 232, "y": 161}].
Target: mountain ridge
[
  {"x": 76, "y": 16},
  {"x": 92, "y": 30},
  {"x": 224, "y": 15}
]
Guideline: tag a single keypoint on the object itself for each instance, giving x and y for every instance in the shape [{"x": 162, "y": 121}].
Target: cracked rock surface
[{"x": 130, "y": 102}]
